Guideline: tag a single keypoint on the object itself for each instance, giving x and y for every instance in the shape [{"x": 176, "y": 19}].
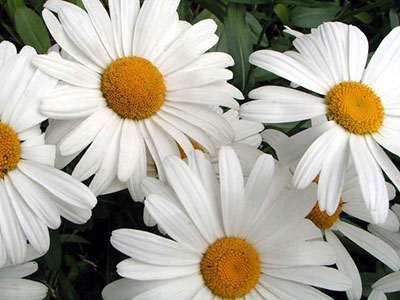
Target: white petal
[
  {"x": 346, "y": 265},
  {"x": 318, "y": 276},
  {"x": 19, "y": 271},
  {"x": 102, "y": 24},
  {"x": 276, "y": 104},
  {"x": 300, "y": 254},
  {"x": 389, "y": 283},
  {"x": 11, "y": 231},
  {"x": 193, "y": 197},
  {"x": 126, "y": 289},
  {"x": 133, "y": 269},
  {"x": 195, "y": 41},
  {"x": 94, "y": 155},
  {"x": 79, "y": 28},
  {"x": 37, "y": 198},
  {"x": 284, "y": 289},
  {"x": 7, "y": 50},
  {"x": 208, "y": 120},
  {"x": 44, "y": 154},
  {"x": 387, "y": 138},
  {"x": 81, "y": 136},
  {"x": 377, "y": 295},
  {"x": 385, "y": 57},
  {"x": 154, "y": 21},
  {"x": 292, "y": 149},
  {"x": 201, "y": 95},
  {"x": 181, "y": 139},
  {"x": 63, "y": 40},
  {"x": 68, "y": 71},
  {"x": 371, "y": 244},
  {"x": 15, "y": 75},
  {"x": 21, "y": 289},
  {"x": 26, "y": 113},
  {"x": 333, "y": 171},
  {"x": 384, "y": 161},
  {"x": 73, "y": 106},
  {"x": 310, "y": 164},
  {"x": 290, "y": 69},
  {"x": 35, "y": 231},
  {"x": 59, "y": 184},
  {"x": 180, "y": 288},
  {"x": 184, "y": 123},
  {"x": 107, "y": 171},
  {"x": 152, "y": 249},
  {"x": 194, "y": 78},
  {"x": 129, "y": 152},
  {"x": 232, "y": 191},
  {"x": 371, "y": 180},
  {"x": 176, "y": 223},
  {"x": 129, "y": 13},
  {"x": 256, "y": 191}
]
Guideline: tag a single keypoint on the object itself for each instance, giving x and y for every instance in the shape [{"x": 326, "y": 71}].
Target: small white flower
[
  {"x": 230, "y": 240},
  {"x": 34, "y": 194},
  {"x": 351, "y": 202},
  {"x": 140, "y": 82},
  {"x": 362, "y": 104}
]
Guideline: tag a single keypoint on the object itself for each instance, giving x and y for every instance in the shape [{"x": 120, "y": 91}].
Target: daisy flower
[
  {"x": 387, "y": 284},
  {"x": 351, "y": 203},
  {"x": 33, "y": 193},
  {"x": 360, "y": 102},
  {"x": 139, "y": 81},
  {"x": 233, "y": 241},
  {"x": 12, "y": 284}
]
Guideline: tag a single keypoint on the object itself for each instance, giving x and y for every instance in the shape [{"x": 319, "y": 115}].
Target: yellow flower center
[
  {"x": 133, "y": 87},
  {"x": 195, "y": 146},
  {"x": 10, "y": 149},
  {"x": 356, "y": 107},
  {"x": 231, "y": 268},
  {"x": 321, "y": 219}
]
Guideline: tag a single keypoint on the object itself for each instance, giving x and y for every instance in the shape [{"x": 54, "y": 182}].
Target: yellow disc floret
[
  {"x": 231, "y": 268},
  {"x": 355, "y": 107},
  {"x": 133, "y": 87},
  {"x": 195, "y": 146},
  {"x": 10, "y": 149},
  {"x": 321, "y": 219}
]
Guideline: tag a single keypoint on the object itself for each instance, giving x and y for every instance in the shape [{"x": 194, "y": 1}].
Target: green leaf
[
  {"x": 394, "y": 18},
  {"x": 31, "y": 29},
  {"x": 213, "y": 6},
  {"x": 251, "y": 1},
  {"x": 256, "y": 30},
  {"x": 53, "y": 256},
  {"x": 239, "y": 42},
  {"x": 67, "y": 288},
  {"x": 71, "y": 238},
  {"x": 282, "y": 12},
  {"x": 12, "y": 6},
  {"x": 364, "y": 17},
  {"x": 312, "y": 17}
]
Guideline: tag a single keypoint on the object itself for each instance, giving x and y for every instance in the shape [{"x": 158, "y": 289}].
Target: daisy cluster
[{"x": 131, "y": 97}]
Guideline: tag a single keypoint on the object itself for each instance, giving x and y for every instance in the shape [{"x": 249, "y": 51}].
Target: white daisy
[
  {"x": 140, "y": 81},
  {"x": 33, "y": 193},
  {"x": 233, "y": 241},
  {"x": 361, "y": 103},
  {"x": 13, "y": 287},
  {"x": 351, "y": 202},
  {"x": 387, "y": 284}
]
